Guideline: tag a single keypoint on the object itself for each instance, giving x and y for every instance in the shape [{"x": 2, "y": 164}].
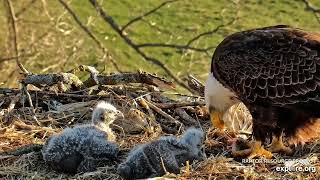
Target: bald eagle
[{"x": 275, "y": 72}]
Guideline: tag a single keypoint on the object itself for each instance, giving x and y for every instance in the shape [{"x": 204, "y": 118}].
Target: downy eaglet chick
[
  {"x": 80, "y": 148},
  {"x": 147, "y": 160}
]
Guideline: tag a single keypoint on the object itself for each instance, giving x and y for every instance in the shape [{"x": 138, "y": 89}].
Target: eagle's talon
[
  {"x": 258, "y": 150},
  {"x": 240, "y": 153},
  {"x": 255, "y": 150},
  {"x": 277, "y": 149},
  {"x": 278, "y": 146}
]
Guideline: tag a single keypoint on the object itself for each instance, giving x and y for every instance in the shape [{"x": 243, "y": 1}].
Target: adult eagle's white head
[{"x": 218, "y": 100}]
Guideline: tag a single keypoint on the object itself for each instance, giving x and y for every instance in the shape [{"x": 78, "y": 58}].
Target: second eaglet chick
[
  {"x": 149, "y": 160},
  {"x": 79, "y": 149}
]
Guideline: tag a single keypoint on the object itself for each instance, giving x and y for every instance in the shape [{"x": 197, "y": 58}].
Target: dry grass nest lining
[{"x": 219, "y": 164}]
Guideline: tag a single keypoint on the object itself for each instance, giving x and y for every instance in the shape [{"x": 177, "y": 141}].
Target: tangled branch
[
  {"x": 146, "y": 14},
  {"x": 15, "y": 37},
  {"x": 25, "y": 8},
  {"x": 108, "y": 19},
  {"x": 176, "y": 46},
  {"x": 216, "y": 29},
  {"x": 91, "y": 35},
  {"x": 310, "y": 7},
  {"x": 188, "y": 45}
]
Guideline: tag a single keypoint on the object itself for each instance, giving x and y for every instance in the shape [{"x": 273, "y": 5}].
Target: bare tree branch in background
[
  {"x": 146, "y": 14},
  {"x": 138, "y": 47},
  {"x": 4, "y": 59},
  {"x": 211, "y": 32},
  {"x": 117, "y": 28},
  {"x": 187, "y": 46},
  {"x": 14, "y": 27},
  {"x": 310, "y": 7},
  {"x": 15, "y": 37},
  {"x": 176, "y": 46},
  {"x": 25, "y": 8},
  {"x": 91, "y": 35}
]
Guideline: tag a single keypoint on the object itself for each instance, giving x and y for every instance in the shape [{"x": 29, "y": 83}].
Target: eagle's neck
[{"x": 218, "y": 96}]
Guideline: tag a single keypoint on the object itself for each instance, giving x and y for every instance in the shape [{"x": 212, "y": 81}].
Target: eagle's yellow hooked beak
[{"x": 216, "y": 118}]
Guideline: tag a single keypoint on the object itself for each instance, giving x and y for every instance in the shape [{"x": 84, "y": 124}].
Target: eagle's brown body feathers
[{"x": 275, "y": 72}]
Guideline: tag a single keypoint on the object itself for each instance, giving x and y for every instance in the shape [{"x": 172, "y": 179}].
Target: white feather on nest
[{"x": 239, "y": 120}]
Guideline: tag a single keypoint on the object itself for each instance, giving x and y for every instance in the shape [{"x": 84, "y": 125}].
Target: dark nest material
[{"x": 47, "y": 103}]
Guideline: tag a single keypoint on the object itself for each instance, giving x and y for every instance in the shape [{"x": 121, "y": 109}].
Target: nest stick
[
  {"x": 52, "y": 79},
  {"x": 144, "y": 104},
  {"x": 13, "y": 102},
  {"x": 195, "y": 85},
  {"x": 140, "y": 77},
  {"x": 23, "y": 150},
  {"x": 185, "y": 117},
  {"x": 179, "y": 104},
  {"x": 164, "y": 114}
]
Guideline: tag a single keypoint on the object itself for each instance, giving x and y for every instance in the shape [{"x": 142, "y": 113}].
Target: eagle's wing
[{"x": 277, "y": 65}]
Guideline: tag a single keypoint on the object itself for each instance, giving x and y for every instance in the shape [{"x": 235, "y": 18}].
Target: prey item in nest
[
  {"x": 168, "y": 154},
  {"x": 80, "y": 148}
]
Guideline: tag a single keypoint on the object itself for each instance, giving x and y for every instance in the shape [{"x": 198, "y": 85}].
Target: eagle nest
[{"x": 151, "y": 109}]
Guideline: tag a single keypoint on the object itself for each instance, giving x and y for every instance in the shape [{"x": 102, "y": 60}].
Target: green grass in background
[{"x": 57, "y": 43}]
